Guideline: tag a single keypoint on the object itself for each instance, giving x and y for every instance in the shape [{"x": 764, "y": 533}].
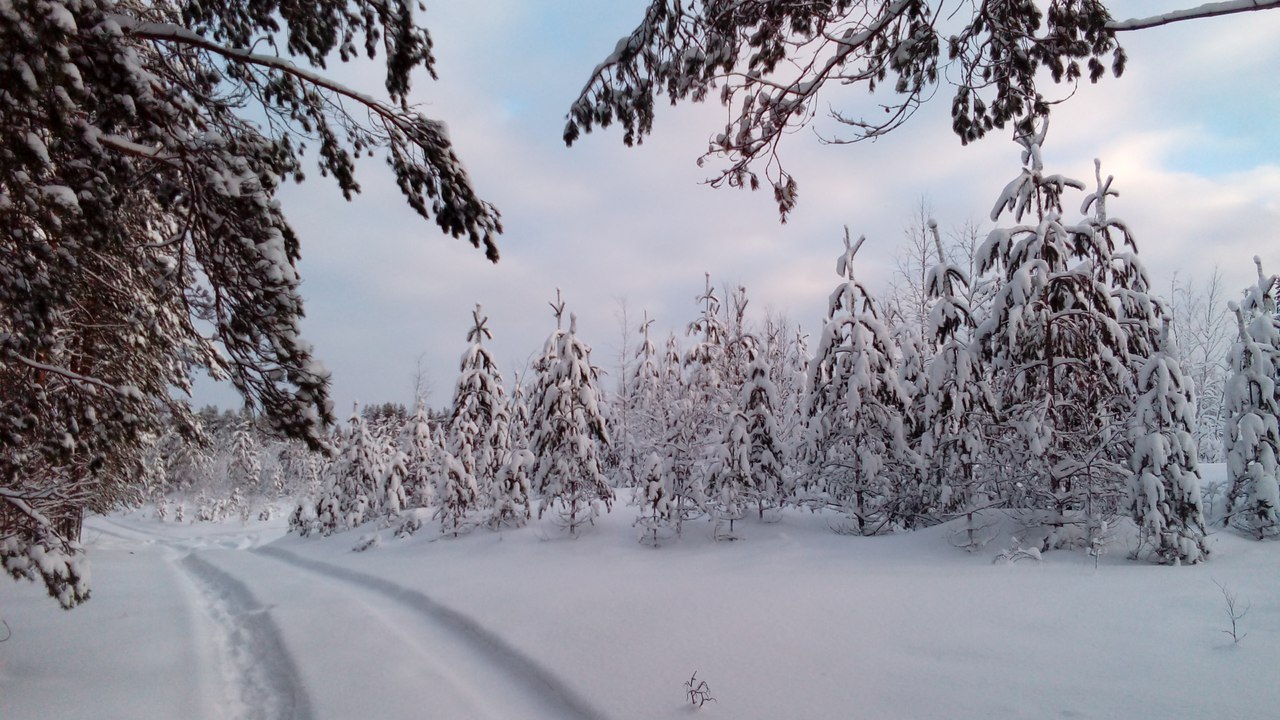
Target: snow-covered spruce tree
[
  {"x": 519, "y": 408},
  {"x": 766, "y": 452},
  {"x": 648, "y": 397},
  {"x": 417, "y": 454},
  {"x": 729, "y": 476},
  {"x": 456, "y": 494},
  {"x": 745, "y": 467},
  {"x": 667, "y": 423},
  {"x": 480, "y": 424},
  {"x": 245, "y": 467},
  {"x": 419, "y": 448},
  {"x": 1165, "y": 481},
  {"x": 913, "y": 500},
  {"x": 748, "y": 469},
  {"x": 656, "y": 520},
  {"x": 393, "y": 497},
  {"x": 355, "y": 488},
  {"x": 155, "y": 475},
  {"x": 854, "y": 406},
  {"x": 714, "y": 369},
  {"x": 679, "y": 441},
  {"x": 955, "y": 399},
  {"x": 145, "y": 143},
  {"x": 511, "y": 505},
  {"x": 741, "y": 345},
  {"x": 787, "y": 353},
  {"x": 567, "y": 425},
  {"x": 705, "y": 365},
  {"x": 185, "y": 449},
  {"x": 301, "y": 467},
  {"x": 1251, "y": 434},
  {"x": 1060, "y": 355}
]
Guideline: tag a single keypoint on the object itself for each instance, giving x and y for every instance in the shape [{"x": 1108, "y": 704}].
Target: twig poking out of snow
[
  {"x": 1232, "y": 601},
  {"x": 697, "y": 690}
]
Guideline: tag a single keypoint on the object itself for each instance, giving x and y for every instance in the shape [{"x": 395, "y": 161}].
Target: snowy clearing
[{"x": 793, "y": 621}]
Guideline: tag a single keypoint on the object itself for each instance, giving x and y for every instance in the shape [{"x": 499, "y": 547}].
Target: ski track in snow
[
  {"x": 262, "y": 681},
  {"x": 512, "y": 669}
]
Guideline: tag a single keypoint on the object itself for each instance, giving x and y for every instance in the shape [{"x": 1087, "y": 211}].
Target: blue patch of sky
[{"x": 1236, "y": 136}]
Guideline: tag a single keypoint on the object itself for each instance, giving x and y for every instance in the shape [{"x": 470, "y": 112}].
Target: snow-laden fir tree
[
  {"x": 355, "y": 487},
  {"x": 729, "y": 477},
  {"x": 649, "y": 397},
  {"x": 418, "y": 455},
  {"x": 1165, "y": 481},
  {"x": 912, "y": 497},
  {"x": 301, "y": 468},
  {"x": 705, "y": 363},
  {"x": 955, "y": 399},
  {"x": 854, "y": 406},
  {"x": 567, "y": 425},
  {"x": 237, "y": 504},
  {"x": 1251, "y": 435},
  {"x": 480, "y": 426},
  {"x": 681, "y": 444},
  {"x": 419, "y": 448},
  {"x": 393, "y": 494},
  {"x": 187, "y": 456},
  {"x": 1058, "y": 352},
  {"x": 511, "y": 505},
  {"x": 747, "y": 468},
  {"x": 655, "y": 521},
  {"x": 788, "y": 357},
  {"x": 519, "y": 409},
  {"x": 741, "y": 345},
  {"x": 767, "y": 453},
  {"x": 457, "y": 497},
  {"x": 245, "y": 466},
  {"x": 155, "y": 473}
]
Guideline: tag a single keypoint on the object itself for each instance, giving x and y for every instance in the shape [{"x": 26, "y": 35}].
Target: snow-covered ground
[{"x": 793, "y": 621}]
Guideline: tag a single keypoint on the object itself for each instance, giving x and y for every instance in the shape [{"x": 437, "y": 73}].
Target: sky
[{"x": 1188, "y": 132}]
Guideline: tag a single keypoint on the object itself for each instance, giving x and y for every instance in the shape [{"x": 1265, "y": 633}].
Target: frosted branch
[{"x": 1207, "y": 10}]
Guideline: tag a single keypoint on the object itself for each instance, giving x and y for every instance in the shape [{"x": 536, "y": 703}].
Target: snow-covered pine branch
[{"x": 145, "y": 146}]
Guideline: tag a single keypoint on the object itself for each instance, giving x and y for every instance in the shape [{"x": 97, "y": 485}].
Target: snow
[
  {"x": 63, "y": 196},
  {"x": 231, "y": 621}
]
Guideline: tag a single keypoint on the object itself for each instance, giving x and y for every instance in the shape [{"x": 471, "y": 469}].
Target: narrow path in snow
[
  {"x": 501, "y": 682},
  {"x": 260, "y": 678},
  {"x": 364, "y": 646}
]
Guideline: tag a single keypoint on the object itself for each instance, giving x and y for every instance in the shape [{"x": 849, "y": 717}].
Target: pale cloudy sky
[{"x": 1190, "y": 133}]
